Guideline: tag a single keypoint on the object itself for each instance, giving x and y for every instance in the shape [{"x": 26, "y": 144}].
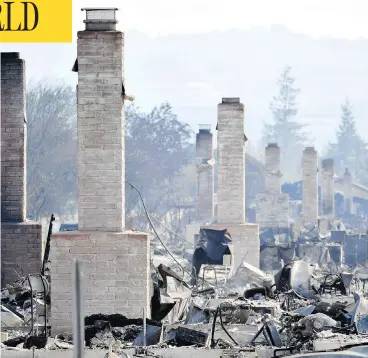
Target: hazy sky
[
  {"x": 336, "y": 18},
  {"x": 340, "y": 18}
]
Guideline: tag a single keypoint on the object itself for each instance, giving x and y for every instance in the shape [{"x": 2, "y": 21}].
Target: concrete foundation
[
  {"x": 116, "y": 274},
  {"x": 328, "y": 191},
  {"x": 272, "y": 210},
  {"x": 21, "y": 240},
  {"x": 245, "y": 242},
  {"x": 310, "y": 184}
]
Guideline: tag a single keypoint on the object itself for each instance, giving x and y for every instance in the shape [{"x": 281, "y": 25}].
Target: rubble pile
[
  {"x": 303, "y": 307},
  {"x": 17, "y": 299}
]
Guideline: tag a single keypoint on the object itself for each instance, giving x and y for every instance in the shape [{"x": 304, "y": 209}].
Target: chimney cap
[
  {"x": 14, "y": 55},
  {"x": 204, "y": 127},
  {"x": 98, "y": 8},
  {"x": 327, "y": 163},
  {"x": 309, "y": 149},
  {"x": 272, "y": 145},
  {"x": 100, "y": 18},
  {"x": 230, "y": 100}
]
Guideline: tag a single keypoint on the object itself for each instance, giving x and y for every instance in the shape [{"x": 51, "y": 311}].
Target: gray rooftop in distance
[{"x": 272, "y": 145}]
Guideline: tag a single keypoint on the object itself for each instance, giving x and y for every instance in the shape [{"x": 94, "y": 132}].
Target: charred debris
[{"x": 308, "y": 298}]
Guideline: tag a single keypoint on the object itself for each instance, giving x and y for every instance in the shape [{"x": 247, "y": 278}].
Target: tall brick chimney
[
  {"x": 117, "y": 262},
  {"x": 101, "y": 123},
  {"x": 328, "y": 191},
  {"x": 231, "y": 162},
  {"x": 272, "y": 206},
  {"x": 21, "y": 240},
  {"x": 205, "y": 177},
  {"x": 231, "y": 184},
  {"x": 273, "y": 177},
  {"x": 310, "y": 184},
  {"x": 13, "y": 138},
  {"x": 348, "y": 192}
]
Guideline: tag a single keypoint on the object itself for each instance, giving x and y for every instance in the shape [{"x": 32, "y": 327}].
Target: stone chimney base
[
  {"x": 116, "y": 274},
  {"x": 21, "y": 250},
  {"x": 272, "y": 210}
]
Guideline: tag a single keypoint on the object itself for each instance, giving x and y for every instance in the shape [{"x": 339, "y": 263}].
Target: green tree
[
  {"x": 349, "y": 150},
  {"x": 158, "y": 147},
  {"x": 285, "y": 129}
]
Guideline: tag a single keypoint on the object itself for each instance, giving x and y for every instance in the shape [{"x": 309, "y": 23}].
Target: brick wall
[
  {"x": 205, "y": 189},
  {"x": 21, "y": 250},
  {"x": 13, "y": 138},
  {"x": 21, "y": 240},
  {"x": 310, "y": 184},
  {"x": 101, "y": 122},
  {"x": 231, "y": 162},
  {"x": 204, "y": 146},
  {"x": 272, "y": 163},
  {"x": 116, "y": 274},
  {"x": 328, "y": 192},
  {"x": 205, "y": 176},
  {"x": 272, "y": 210}
]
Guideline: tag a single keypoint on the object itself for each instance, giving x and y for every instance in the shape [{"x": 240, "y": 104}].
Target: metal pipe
[
  {"x": 144, "y": 328},
  {"x": 45, "y": 305},
  {"x": 31, "y": 333},
  {"x": 77, "y": 316}
]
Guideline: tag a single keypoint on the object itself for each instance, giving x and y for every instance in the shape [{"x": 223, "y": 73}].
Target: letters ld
[{"x": 6, "y": 7}]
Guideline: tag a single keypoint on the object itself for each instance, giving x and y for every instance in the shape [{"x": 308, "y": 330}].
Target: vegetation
[
  {"x": 158, "y": 149},
  {"x": 349, "y": 150},
  {"x": 285, "y": 129}
]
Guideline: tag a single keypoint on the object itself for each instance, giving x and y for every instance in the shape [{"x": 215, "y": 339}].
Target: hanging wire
[
  {"x": 154, "y": 229},
  {"x": 157, "y": 235},
  {"x": 168, "y": 229}
]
